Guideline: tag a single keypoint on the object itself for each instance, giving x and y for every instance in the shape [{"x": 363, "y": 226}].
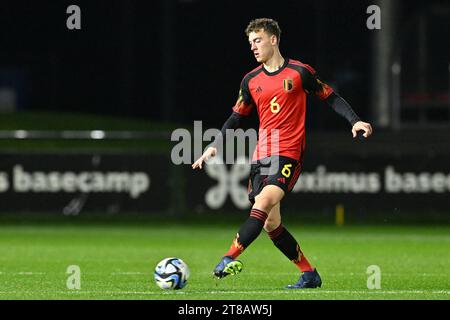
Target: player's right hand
[{"x": 209, "y": 153}]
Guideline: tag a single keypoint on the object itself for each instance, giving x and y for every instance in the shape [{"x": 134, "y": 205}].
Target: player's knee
[{"x": 265, "y": 203}]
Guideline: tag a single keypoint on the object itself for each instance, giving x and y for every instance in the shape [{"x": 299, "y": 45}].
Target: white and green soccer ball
[{"x": 171, "y": 273}]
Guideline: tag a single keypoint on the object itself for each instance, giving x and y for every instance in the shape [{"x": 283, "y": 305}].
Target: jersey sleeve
[
  {"x": 244, "y": 103},
  {"x": 313, "y": 85}
]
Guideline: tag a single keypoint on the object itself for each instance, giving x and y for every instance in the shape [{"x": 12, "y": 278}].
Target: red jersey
[{"x": 280, "y": 99}]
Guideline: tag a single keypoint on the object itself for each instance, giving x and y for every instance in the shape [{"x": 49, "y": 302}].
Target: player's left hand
[{"x": 364, "y": 126}]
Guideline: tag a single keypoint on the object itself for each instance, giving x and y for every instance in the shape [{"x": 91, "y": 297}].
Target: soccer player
[{"x": 277, "y": 88}]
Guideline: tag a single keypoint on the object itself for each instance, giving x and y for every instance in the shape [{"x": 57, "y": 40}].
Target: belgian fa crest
[{"x": 288, "y": 85}]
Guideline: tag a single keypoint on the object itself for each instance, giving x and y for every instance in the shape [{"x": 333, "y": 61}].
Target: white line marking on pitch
[
  {"x": 362, "y": 274},
  {"x": 236, "y": 292},
  {"x": 28, "y": 273},
  {"x": 127, "y": 273},
  {"x": 21, "y": 273}
]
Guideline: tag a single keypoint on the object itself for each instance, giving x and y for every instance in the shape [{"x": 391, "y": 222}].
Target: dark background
[{"x": 183, "y": 60}]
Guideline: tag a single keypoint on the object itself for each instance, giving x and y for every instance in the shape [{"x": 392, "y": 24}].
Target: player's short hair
[{"x": 267, "y": 24}]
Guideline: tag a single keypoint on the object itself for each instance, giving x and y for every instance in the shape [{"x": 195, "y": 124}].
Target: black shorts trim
[{"x": 275, "y": 170}]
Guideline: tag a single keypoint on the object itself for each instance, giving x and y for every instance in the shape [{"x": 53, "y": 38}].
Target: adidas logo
[
  {"x": 282, "y": 180},
  {"x": 259, "y": 89}
]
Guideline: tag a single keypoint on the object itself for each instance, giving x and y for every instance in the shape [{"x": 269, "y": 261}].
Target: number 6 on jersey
[{"x": 274, "y": 107}]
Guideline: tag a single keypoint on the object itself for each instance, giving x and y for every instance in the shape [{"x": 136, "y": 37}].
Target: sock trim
[
  {"x": 274, "y": 234},
  {"x": 258, "y": 214}
]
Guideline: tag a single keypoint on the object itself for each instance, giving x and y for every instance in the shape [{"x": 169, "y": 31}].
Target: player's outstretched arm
[
  {"x": 232, "y": 122},
  {"x": 341, "y": 107},
  {"x": 312, "y": 84}
]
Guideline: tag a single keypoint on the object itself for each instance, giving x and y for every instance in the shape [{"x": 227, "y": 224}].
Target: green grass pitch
[{"x": 117, "y": 262}]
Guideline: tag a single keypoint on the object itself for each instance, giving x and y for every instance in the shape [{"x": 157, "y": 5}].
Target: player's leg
[
  {"x": 273, "y": 219},
  {"x": 282, "y": 238},
  {"x": 249, "y": 230},
  {"x": 286, "y": 243},
  {"x": 252, "y": 227}
]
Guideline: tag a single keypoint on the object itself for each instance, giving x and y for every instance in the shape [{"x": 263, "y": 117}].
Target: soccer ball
[{"x": 171, "y": 273}]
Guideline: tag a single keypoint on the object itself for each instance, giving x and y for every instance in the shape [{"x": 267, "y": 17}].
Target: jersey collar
[{"x": 285, "y": 63}]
